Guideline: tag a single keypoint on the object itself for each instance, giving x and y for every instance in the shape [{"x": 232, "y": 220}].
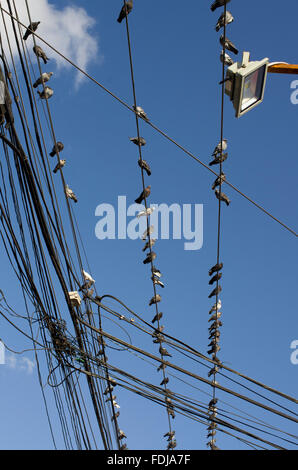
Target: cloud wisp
[{"x": 69, "y": 30}]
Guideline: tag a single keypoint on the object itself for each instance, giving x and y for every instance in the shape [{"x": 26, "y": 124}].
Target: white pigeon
[
  {"x": 148, "y": 211},
  {"x": 221, "y": 147},
  {"x": 70, "y": 194},
  {"x": 213, "y": 309},
  {"x": 45, "y": 77},
  {"x": 222, "y": 20},
  {"x": 46, "y": 94},
  {"x": 141, "y": 113},
  {"x": 87, "y": 277},
  {"x": 148, "y": 232}
]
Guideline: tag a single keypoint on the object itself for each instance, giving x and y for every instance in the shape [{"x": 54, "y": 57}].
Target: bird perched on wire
[
  {"x": 32, "y": 27},
  {"x": 59, "y": 165},
  {"x": 146, "y": 212},
  {"x": 156, "y": 272},
  {"x": 45, "y": 77},
  {"x": 111, "y": 399},
  {"x": 157, "y": 317},
  {"x": 215, "y": 348},
  {"x": 219, "y": 180},
  {"x": 228, "y": 44},
  {"x": 115, "y": 416},
  {"x": 150, "y": 257},
  {"x": 215, "y": 269},
  {"x": 149, "y": 244},
  {"x": 122, "y": 435},
  {"x": 161, "y": 367},
  {"x": 214, "y": 316},
  {"x": 165, "y": 381},
  {"x": 215, "y": 334},
  {"x": 164, "y": 352},
  {"x": 143, "y": 164},
  {"x": 138, "y": 141},
  {"x": 144, "y": 194},
  {"x": 228, "y": 60},
  {"x": 212, "y": 372},
  {"x": 170, "y": 435},
  {"x": 216, "y": 291},
  {"x": 58, "y": 148},
  {"x": 157, "y": 282},
  {"x": 141, "y": 113},
  {"x": 222, "y": 197},
  {"x": 172, "y": 445},
  {"x": 70, "y": 194},
  {"x": 224, "y": 19},
  {"x": 215, "y": 306},
  {"x": 216, "y": 324},
  {"x": 218, "y": 3},
  {"x": 39, "y": 52},
  {"x": 221, "y": 147},
  {"x": 155, "y": 300},
  {"x": 219, "y": 159},
  {"x": 215, "y": 278},
  {"x": 126, "y": 9},
  {"x": 46, "y": 94},
  {"x": 148, "y": 232},
  {"x": 87, "y": 277}
]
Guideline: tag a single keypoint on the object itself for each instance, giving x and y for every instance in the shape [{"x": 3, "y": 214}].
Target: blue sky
[{"x": 177, "y": 70}]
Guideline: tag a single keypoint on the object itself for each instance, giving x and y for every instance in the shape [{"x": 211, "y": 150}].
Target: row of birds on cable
[
  {"x": 215, "y": 273},
  {"x": 112, "y": 398},
  {"x": 47, "y": 92}
]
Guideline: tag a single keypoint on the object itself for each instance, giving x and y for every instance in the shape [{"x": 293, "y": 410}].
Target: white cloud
[
  {"x": 19, "y": 363},
  {"x": 69, "y": 30}
]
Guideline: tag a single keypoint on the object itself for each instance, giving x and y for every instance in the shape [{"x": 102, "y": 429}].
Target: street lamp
[{"x": 245, "y": 83}]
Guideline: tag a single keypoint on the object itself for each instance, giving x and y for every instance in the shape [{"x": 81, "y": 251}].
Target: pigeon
[
  {"x": 123, "y": 447},
  {"x": 211, "y": 434},
  {"x": 155, "y": 300},
  {"x": 156, "y": 272},
  {"x": 45, "y": 77},
  {"x": 161, "y": 367},
  {"x": 143, "y": 164},
  {"x": 144, "y": 194},
  {"x": 213, "y": 402},
  {"x": 172, "y": 445},
  {"x": 157, "y": 317},
  {"x": 159, "y": 339},
  {"x": 214, "y": 334},
  {"x": 110, "y": 399},
  {"x": 59, "y": 165},
  {"x": 170, "y": 434},
  {"x": 87, "y": 277},
  {"x": 157, "y": 282},
  {"x": 57, "y": 149},
  {"x": 221, "y": 147},
  {"x": 213, "y": 341},
  {"x": 146, "y": 212},
  {"x": 216, "y": 291},
  {"x": 215, "y": 269},
  {"x": 116, "y": 416},
  {"x": 70, "y": 194},
  {"x": 171, "y": 413},
  {"x": 150, "y": 257},
  {"x": 222, "y": 197},
  {"x": 46, "y": 94},
  {"x": 212, "y": 372},
  {"x": 108, "y": 389},
  {"x": 228, "y": 60},
  {"x": 115, "y": 404},
  {"x": 39, "y": 52},
  {"x": 122, "y": 435},
  {"x": 149, "y": 244},
  {"x": 219, "y": 180},
  {"x": 214, "y": 316},
  {"x": 218, "y": 3},
  {"x": 215, "y": 278},
  {"x": 141, "y": 113},
  {"x": 32, "y": 27},
  {"x": 218, "y": 306},
  {"x": 224, "y": 19},
  {"x": 219, "y": 159},
  {"x": 164, "y": 352},
  {"x": 213, "y": 350},
  {"x": 140, "y": 142},
  {"x": 228, "y": 45},
  {"x": 165, "y": 381},
  {"x": 127, "y": 8},
  {"x": 216, "y": 324},
  {"x": 148, "y": 232}
]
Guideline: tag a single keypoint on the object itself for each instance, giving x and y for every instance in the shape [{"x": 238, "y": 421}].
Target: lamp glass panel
[{"x": 253, "y": 88}]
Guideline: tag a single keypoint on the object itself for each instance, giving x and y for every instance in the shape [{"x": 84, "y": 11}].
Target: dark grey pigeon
[
  {"x": 144, "y": 194},
  {"x": 215, "y": 278},
  {"x": 157, "y": 317},
  {"x": 32, "y": 27},
  {"x": 229, "y": 45},
  {"x": 126, "y": 8},
  {"x": 57, "y": 149},
  {"x": 39, "y": 52},
  {"x": 222, "y": 197},
  {"x": 141, "y": 141},
  {"x": 218, "y": 4},
  {"x": 216, "y": 291},
  {"x": 150, "y": 257},
  {"x": 219, "y": 180},
  {"x": 215, "y": 269},
  {"x": 143, "y": 164},
  {"x": 219, "y": 159}
]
